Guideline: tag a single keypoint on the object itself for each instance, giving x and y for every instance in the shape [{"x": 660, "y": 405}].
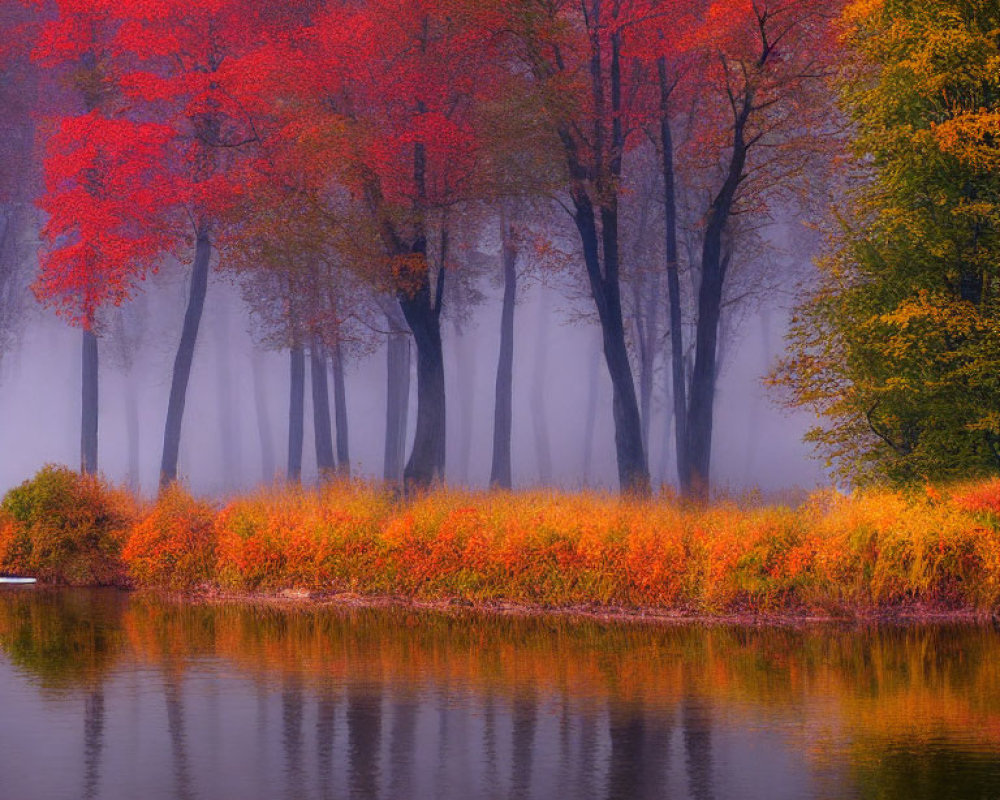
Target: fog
[{"x": 560, "y": 382}]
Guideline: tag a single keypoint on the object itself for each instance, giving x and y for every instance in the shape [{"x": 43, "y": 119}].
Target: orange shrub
[
  {"x": 173, "y": 544},
  {"x": 292, "y": 537},
  {"x": 64, "y": 527}
]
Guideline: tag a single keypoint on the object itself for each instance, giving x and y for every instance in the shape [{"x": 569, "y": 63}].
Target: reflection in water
[
  {"x": 326, "y": 717},
  {"x": 175, "y": 729},
  {"x": 386, "y": 704},
  {"x": 364, "y": 736},
  {"x": 523, "y": 714},
  {"x": 93, "y": 742},
  {"x": 291, "y": 717}
]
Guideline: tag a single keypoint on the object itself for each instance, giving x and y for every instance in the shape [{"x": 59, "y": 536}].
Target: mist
[{"x": 560, "y": 390}]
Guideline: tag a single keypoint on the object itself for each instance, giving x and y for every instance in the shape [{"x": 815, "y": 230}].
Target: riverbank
[
  {"x": 301, "y": 600},
  {"x": 922, "y": 555}
]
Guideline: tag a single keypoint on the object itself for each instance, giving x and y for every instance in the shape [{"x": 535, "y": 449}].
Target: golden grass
[{"x": 833, "y": 553}]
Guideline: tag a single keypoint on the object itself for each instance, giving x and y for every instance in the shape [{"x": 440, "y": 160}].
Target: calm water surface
[{"x": 106, "y": 695}]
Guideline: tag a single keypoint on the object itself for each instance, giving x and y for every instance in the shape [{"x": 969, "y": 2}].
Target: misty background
[{"x": 235, "y": 433}]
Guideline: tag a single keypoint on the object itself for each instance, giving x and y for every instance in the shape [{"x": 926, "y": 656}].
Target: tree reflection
[
  {"x": 524, "y": 714},
  {"x": 640, "y": 750},
  {"x": 402, "y": 744},
  {"x": 175, "y": 730},
  {"x": 326, "y": 717},
  {"x": 364, "y": 735},
  {"x": 291, "y": 736},
  {"x": 93, "y": 742}
]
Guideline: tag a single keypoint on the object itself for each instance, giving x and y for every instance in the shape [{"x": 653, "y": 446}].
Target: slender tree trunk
[
  {"x": 679, "y": 379},
  {"x": 267, "y": 456},
  {"x": 710, "y": 293},
  {"x": 633, "y": 470},
  {"x": 397, "y": 403},
  {"x": 228, "y": 416},
  {"x": 321, "y": 412},
  {"x": 754, "y": 409},
  {"x": 604, "y": 273},
  {"x": 590, "y": 421},
  {"x": 503, "y": 409},
  {"x": 296, "y": 411},
  {"x": 340, "y": 410},
  {"x": 184, "y": 358},
  {"x": 132, "y": 430},
  {"x": 423, "y": 315},
  {"x": 88, "y": 427},
  {"x": 539, "y": 417},
  {"x": 465, "y": 381}
]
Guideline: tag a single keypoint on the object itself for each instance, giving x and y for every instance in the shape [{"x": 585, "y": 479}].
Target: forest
[{"x": 366, "y": 177}]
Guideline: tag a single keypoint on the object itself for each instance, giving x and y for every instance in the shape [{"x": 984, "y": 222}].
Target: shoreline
[{"x": 915, "y": 614}]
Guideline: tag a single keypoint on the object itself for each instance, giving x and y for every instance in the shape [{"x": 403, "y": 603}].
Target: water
[{"x": 107, "y": 695}]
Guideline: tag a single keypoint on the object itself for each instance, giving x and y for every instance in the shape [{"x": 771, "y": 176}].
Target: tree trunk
[
  {"x": 633, "y": 470},
  {"x": 678, "y": 386},
  {"x": 184, "y": 358},
  {"x": 423, "y": 315},
  {"x": 296, "y": 411},
  {"x": 228, "y": 416},
  {"x": 267, "y": 457},
  {"x": 604, "y": 273},
  {"x": 88, "y": 427},
  {"x": 503, "y": 409},
  {"x": 321, "y": 412},
  {"x": 340, "y": 410},
  {"x": 590, "y": 421},
  {"x": 465, "y": 381},
  {"x": 132, "y": 430},
  {"x": 713, "y": 275},
  {"x": 397, "y": 402},
  {"x": 539, "y": 417}
]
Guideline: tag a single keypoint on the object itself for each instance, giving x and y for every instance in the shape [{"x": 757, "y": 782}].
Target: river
[{"x": 110, "y": 695}]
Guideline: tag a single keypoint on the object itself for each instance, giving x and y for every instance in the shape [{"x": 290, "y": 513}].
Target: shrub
[
  {"x": 64, "y": 527},
  {"x": 173, "y": 544},
  {"x": 294, "y": 538}
]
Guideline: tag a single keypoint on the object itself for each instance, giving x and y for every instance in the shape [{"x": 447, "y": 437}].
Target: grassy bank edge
[{"x": 886, "y": 555}]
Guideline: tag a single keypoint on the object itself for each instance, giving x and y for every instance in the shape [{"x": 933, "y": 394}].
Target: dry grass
[{"x": 833, "y": 553}]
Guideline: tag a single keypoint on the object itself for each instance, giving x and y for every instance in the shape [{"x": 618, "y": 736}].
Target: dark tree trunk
[
  {"x": 132, "y": 430},
  {"x": 464, "y": 381},
  {"x": 539, "y": 417},
  {"x": 710, "y": 293},
  {"x": 340, "y": 410},
  {"x": 423, "y": 315},
  {"x": 296, "y": 411},
  {"x": 184, "y": 358},
  {"x": 88, "y": 426},
  {"x": 267, "y": 457},
  {"x": 397, "y": 402},
  {"x": 321, "y": 412},
  {"x": 647, "y": 299},
  {"x": 590, "y": 421},
  {"x": 228, "y": 416},
  {"x": 633, "y": 470},
  {"x": 678, "y": 384},
  {"x": 503, "y": 410}
]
